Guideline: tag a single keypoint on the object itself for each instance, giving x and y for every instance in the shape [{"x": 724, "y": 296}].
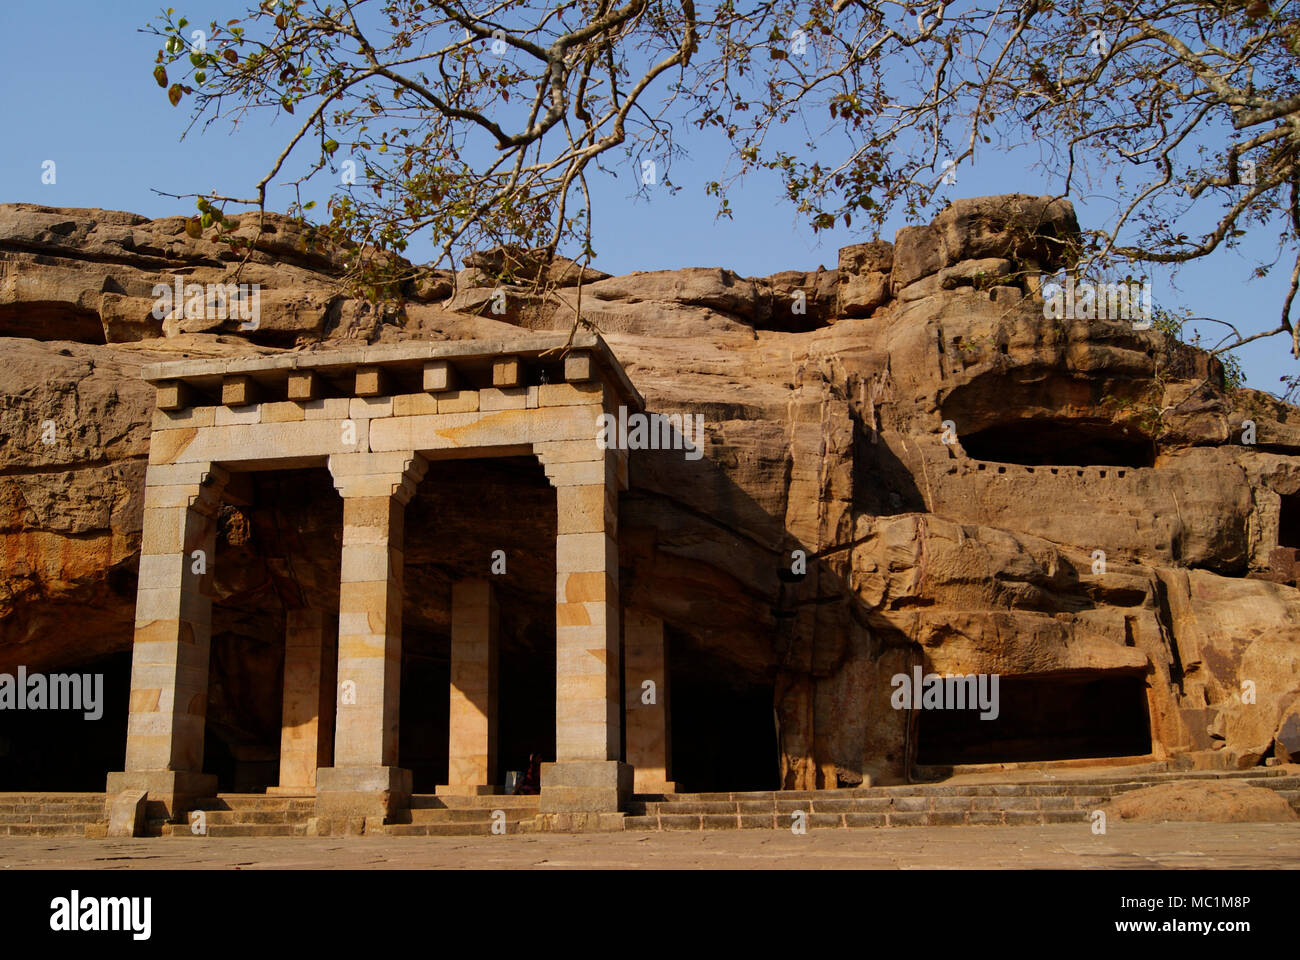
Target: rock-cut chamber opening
[
  {"x": 1042, "y": 718},
  {"x": 1059, "y": 442}
]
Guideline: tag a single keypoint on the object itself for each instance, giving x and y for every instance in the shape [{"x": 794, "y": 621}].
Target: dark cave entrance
[
  {"x": 62, "y": 750},
  {"x": 463, "y": 511},
  {"x": 1288, "y": 521},
  {"x": 1073, "y": 443},
  {"x": 279, "y": 548},
  {"x": 1064, "y": 717},
  {"x": 723, "y": 724}
]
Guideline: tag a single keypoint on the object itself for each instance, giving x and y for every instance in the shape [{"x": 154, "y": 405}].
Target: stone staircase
[
  {"x": 1037, "y": 802},
  {"x": 243, "y": 815},
  {"x": 992, "y": 798},
  {"x": 438, "y": 816},
  {"x": 52, "y": 815}
]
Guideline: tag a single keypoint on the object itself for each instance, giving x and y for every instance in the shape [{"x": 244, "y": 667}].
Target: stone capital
[
  {"x": 378, "y": 474},
  {"x": 568, "y": 463}
]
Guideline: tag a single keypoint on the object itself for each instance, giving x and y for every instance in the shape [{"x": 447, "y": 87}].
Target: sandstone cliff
[{"x": 1067, "y": 504}]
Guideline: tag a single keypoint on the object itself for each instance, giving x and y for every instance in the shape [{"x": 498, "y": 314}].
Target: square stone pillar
[
  {"x": 649, "y": 731},
  {"x": 472, "y": 746},
  {"x": 307, "y": 727},
  {"x": 365, "y": 780},
  {"x": 587, "y": 776},
  {"x": 173, "y": 631}
]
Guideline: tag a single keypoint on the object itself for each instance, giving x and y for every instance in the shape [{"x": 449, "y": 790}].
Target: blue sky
[{"x": 76, "y": 88}]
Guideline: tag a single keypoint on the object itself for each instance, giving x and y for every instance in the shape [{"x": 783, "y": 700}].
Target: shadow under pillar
[
  {"x": 365, "y": 780},
  {"x": 173, "y": 632},
  {"x": 587, "y": 776}
]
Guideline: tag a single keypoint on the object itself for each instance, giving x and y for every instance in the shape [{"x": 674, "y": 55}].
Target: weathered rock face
[{"x": 906, "y": 466}]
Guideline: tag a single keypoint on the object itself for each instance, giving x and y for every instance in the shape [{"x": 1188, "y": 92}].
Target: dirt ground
[{"x": 1064, "y": 846}]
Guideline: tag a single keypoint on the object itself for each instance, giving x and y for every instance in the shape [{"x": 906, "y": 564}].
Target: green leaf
[
  {"x": 200, "y": 76},
  {"x": 331, "y": 146},
  {"x": 160, "y": 74},
  {"x": 192, "y": 228}
]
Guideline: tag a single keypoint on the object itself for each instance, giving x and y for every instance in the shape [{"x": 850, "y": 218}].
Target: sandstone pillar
[
  {"x": 648, "y": 731},
  {"x": 365, "y": 780},
  {"x": 472, "y": 747},
  {"x": 587, "y": 776},
  {"x": 307, "y": 727},
  {"x": 173, "y": 629}
]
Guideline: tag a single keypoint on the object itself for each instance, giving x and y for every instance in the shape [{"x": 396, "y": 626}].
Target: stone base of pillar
[
  {"x": 466, "y": 790},
  {"x": 353, "y": 792},
  {"x": 641, "y": 787},
  {"x": 585, "y": 786},
  {"x": 175, "y": 791}
]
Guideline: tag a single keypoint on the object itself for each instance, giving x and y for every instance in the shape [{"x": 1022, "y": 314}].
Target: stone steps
[
  {"x": 254, "y": 802},
  {"x": 491, "y": 802},
  {"x": 469, "y": 816},
  {"x": 52, "y": 815},
  {"x": 244, "y": 815},
  {"x": 477, "y": 829},
  {"x": 1031, "y": 803},
  {"x": 236, "y": 830}
]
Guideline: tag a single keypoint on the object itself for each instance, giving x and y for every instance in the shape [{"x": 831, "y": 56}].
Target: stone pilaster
[
  {"x": 472, "y": 747},
  {"x": 307, "y": 727},
  {"x": 648, "y": 734},
  {"x": 173, "y": 631},
  {"x": 587, "y": 775},
  {"x": 365, "y": 780}
]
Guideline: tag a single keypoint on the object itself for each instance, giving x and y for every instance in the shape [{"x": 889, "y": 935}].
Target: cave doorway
[
  {"x": 723, "y": 724},
  {"x": 492, "y": 519},
  {"x": 63, "y": 750},
  {"x": 1060, "y": 717},
  {"x": 278, "y": 549},
  {"x": 1288, "y": 521}
]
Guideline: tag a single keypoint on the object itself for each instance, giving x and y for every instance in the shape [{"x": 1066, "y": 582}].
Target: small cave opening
[
  {"x": 49, "y": 321},
  {"x": 64, "y": 749},
  {"x": 1288, "y": 521},
  {"x": 1065, "y": 717},
  {"x": 1074, "y": 443},
  {"x": 723, "y": 725}
]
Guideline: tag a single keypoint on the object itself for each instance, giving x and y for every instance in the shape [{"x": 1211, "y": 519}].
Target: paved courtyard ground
[{"x": 1232, "y": 846}]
